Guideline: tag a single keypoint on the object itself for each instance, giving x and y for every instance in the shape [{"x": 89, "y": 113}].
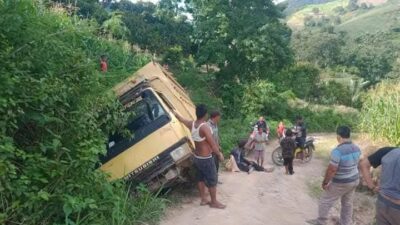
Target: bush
[
  {"x": 55, "y": 115},
  {"x": 380, "y": 112},
  {"x": 198, "y": 86},
  {"x": 173, "y": 56},
  {"x": 302, "y": 79},
  {"x": 261, "y": 98},
  {"x": 327, "y": 120},
  {"x": 332, "y": 93}
]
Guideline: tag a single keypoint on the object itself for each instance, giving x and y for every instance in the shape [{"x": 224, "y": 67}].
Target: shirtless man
[{"x": 203, "y": 161}]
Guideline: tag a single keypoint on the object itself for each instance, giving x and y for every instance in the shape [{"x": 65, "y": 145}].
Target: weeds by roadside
[{"x": 314, "y": 188}]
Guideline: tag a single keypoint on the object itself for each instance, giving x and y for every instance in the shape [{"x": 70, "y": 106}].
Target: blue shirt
[
  {"x": 346, "y": 157},
  {"x": 389, "y": 158}
]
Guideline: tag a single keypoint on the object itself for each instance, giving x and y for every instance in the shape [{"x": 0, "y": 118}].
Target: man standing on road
[
  {"x": 215, "y": 117},
  {"x": 203, "y": 160},
  {"x": 388, "y": 203},
  {"x": 260, "y": 140},
  {"x": 341, "y": 179}
]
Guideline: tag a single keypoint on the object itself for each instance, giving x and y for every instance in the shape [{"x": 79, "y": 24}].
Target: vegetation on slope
[
  {"x": 383, "y": 18},
  {"x": 381, "y": 113},
  {"x": 56, "y": 112}
]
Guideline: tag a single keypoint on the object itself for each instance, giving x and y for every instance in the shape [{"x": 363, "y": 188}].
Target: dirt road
[
  {"x": 256, "y": 199},
  {"x": 269, "y": 198}
]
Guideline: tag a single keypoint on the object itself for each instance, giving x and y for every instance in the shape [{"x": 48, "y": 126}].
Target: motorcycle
[{"x": 305, "y": 154}]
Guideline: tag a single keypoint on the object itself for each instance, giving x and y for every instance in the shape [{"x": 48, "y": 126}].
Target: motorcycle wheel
[
  {"x": 308, "y": 153},
  {"x": 277, "y": 156}
]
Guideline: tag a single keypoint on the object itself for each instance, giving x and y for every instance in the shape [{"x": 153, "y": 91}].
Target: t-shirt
[
  {"x": 260, "y": 140},
  {"x": 346, "y": 157},
  {"x": 301, "y": 131},
  {"x": 288, "y": 146},
  {"x": 281, "y": 130},
  {"x": 103, "y": 66},
  {"x": 214, "y": 130},
  {"x": 389, "y": 158}
]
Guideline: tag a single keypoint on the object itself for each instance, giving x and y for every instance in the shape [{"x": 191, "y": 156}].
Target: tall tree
[
  {"x": 156, "y": 27},
  {"x": 246, "y": 39}
]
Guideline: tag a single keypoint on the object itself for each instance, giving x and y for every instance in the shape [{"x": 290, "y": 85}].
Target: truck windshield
[{"x": 148, "y": 116}]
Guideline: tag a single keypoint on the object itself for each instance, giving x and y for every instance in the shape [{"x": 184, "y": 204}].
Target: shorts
[
  {"x": 259, "y": 154},
  {"x": 206, "y": 171}
]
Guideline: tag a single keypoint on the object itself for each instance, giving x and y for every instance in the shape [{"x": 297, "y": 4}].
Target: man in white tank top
[{"x": 206, "y": 172}]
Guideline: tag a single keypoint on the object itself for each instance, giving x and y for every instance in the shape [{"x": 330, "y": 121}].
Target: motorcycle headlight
[{"x": 180, "y": 152}]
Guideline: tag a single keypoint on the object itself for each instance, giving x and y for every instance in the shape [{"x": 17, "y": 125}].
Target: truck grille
[{"x": 163, "y": 162}]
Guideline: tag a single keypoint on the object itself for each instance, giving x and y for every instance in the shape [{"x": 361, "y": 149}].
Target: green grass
[{"x": 314, "y": 188}]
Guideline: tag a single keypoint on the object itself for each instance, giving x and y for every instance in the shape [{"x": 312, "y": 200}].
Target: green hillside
[
  {"x": 296, "y": 20},
  {"x": 379, "y": 19}
]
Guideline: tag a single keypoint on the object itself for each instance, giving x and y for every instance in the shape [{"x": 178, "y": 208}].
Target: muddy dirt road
[{"x": 259, "y": 198}]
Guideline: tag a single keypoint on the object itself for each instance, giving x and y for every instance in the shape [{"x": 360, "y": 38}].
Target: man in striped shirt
[{"x": 341, "y": 179}]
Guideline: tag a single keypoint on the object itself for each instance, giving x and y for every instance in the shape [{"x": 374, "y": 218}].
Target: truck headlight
[{"x": 180, "y": 152}]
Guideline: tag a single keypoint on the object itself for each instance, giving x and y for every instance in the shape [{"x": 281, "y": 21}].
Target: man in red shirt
[{"x": 103, "y": 63}]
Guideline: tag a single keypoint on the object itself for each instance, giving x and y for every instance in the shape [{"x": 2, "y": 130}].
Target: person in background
[
  {"x": 166, "y": 67},
  {"x": 215, "y": 117},
  {"x": 103, "y": 63},
  {"x": 301, "y": 134},
  {"x": 341, "y": 179},
  {"x": 263, "y": 124},
  {"x": 260, "y": 140},
  {"x": 206, "y": 172},
  {"x": 280, "y": 130},
  {"x": 388, "y": 203},
  {"x": 288, "y": 147},
  {"x": 300, "y": 131}
]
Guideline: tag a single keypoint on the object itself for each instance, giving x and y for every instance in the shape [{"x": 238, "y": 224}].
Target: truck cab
[{"x": 158, "y": 147}]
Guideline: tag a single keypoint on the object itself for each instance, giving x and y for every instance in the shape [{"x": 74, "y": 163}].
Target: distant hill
[
  {"x": 382, "y": 18},
  {"x": 296, "y": 20},
  {"x": 295, "y": 5}
]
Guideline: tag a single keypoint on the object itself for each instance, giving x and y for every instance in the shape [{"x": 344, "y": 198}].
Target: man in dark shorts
[
  {"x": 388, "y": 203},
  {"x": 203, "y": 160},
  {"x": 288, "y": 147}
]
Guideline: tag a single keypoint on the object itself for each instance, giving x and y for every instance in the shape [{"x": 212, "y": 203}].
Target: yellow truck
[{"x": 158, "y": 150}]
